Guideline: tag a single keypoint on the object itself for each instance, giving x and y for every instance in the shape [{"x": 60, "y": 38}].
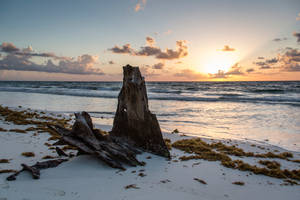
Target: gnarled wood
[
  {"x": 88, "y": 140},
  {"x": 35, "y": 169},
  {"x": 133, "y": 119}
]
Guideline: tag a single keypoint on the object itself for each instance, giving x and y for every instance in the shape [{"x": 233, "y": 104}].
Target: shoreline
[{"x": 174, "y": 179}]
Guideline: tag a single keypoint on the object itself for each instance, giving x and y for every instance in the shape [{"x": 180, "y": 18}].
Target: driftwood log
[{"x": 135, "y": 128}]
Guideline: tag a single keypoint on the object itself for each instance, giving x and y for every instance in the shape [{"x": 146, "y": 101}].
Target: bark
[{"x": 133, "y": 119}]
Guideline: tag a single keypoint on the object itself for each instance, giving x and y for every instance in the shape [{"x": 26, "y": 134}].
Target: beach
[{"x": 84, "y": 177}]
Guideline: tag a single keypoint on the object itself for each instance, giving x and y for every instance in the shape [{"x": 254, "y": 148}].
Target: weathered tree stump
[
  {"x": 134, "y": 127},
  {"x": 133, "y": 119}
]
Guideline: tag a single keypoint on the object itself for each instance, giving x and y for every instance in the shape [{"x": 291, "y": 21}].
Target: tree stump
[{"x": 133, "y": 119}]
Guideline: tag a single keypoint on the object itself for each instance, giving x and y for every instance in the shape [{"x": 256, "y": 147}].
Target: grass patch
[{"x": 28, "y": 154}]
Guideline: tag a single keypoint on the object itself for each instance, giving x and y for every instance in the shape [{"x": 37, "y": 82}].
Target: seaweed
[
  {"x": 238, "y": 183},
  {"x": 4, "y": 161},
  {"x": 28, "y": 154}
]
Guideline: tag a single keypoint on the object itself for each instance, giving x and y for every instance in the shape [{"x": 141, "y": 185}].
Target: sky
[{"x": 170, "y": 40}]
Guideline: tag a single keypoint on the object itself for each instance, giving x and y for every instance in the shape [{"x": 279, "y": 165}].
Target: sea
[{"x": 260, "y": 112}]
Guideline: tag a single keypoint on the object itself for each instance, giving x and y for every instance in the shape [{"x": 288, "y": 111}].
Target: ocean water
[{"x": 263, "y": 112}]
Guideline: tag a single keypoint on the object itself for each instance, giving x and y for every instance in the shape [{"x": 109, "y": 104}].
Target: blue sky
[{"x": 73, "y": 28}]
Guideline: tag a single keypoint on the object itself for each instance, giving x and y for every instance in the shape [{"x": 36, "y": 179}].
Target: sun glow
[{"x": 220, "y": 61}]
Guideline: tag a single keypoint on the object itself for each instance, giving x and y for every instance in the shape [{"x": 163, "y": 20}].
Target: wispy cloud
[
  {"x": 20, "y": 60},
  {"x": 151, "y": 50},
  {"x": 279, "y": 39},
  {"x": 140, "y": 5},
  {"x": 227, "y": 48},
  {"x": 189, "y": 74},
  {"x": 158, "y": 66},
  {"x": 235, "y": 70}
]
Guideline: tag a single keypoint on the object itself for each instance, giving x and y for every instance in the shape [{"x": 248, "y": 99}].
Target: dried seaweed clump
[
  {"x": 4, "y": 161},
  {"x": 28, "y": 154},
  {"x": 238, "y": 183},
  {"x": 202, "y": 150},
  {"x": 25, "y": 117},
  {"x": 270, "y": 164}
]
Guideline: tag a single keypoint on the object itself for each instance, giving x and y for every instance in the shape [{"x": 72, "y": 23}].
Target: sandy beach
[{"x": 84, "y": 177}]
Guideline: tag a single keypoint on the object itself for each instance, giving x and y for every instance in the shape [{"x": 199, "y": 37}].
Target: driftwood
[
  {"x": 133, "y": 119},
  {"x": 35, "y": 169},
  {"x": 134, "y": 128},
  {"x": 88, "y": 140}
]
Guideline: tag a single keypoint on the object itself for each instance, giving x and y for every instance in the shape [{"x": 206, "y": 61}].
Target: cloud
[
  {"x": 250, "y": 70},
  {"x": 297, "y": 35},
  {"x": 122, "y": 50},
  {"x": 227, "y": 48},
  {"x": 190, "y": 74},
  {"x": 140, "y": 5},
  {"x": 235, "y": 70},
  {"x": 279, "y": 39},
  {"x": 150, "y": 41},
  {"x": 272, "y": 61},
  {"x": 20, "y": 60},
  {"x": 267, "y": 63},
  {"x": 151, "y": 50},
  {"x": 8, "y": 47},
  {"x": 158, "y": 66},
  {"x": 292, "y": 67}
]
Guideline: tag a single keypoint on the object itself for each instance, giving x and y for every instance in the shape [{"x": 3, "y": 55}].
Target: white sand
[{"x": 87, "y": 178}]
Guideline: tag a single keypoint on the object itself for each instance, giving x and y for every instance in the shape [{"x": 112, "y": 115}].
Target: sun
[{"x": 219, "y": 61}]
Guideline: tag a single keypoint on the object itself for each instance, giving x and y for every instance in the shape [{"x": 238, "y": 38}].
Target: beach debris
[
  {"x": 35, "y": 169},
  {"x": 7, "y": 171},
  {"x": 28, "y": 154},
  {"x": 200, "y": 181},
  {"x": 112, "y": 151},
  {"x": 165, "y": 181},
  {"x": 133, "y": 119},
  {"x": 2, "y": 130},
  {"x": 134, "y": 128},
  {"x": 198, "y": 149},
  {"x": 47, "y": 157},
  {"x": 142, "y": 174},
  {"x": 175, "y": 131},
  {"x": 238, "y": 183},
  {"x": 134, "y": 186},
  {"x": 60, "y": 152},
  {"x": 289, "y": 182},
  {"x": 4, "y": 160}
]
